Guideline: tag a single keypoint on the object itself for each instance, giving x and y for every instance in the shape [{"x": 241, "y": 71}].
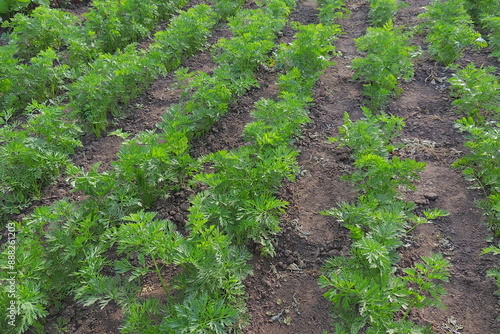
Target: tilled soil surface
[{"x": 283, "y": 293}]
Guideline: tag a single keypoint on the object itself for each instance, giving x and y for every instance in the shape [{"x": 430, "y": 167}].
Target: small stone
[
  {"x": 333, "y": 252},
  {"x": 431, "y": 196},
  {"x": 420, "y": 201},
  {"x": 178, "y": 218},
  {"x": 294, "y": 267},
  {"x": 185, "y": 206}
]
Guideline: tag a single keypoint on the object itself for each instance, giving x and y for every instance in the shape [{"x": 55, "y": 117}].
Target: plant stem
[{"x": 162, "y": 282}]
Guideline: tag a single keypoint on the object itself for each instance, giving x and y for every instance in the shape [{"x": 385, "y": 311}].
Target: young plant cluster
[
  {"x": 383, "y": 11},
  {"x": 331, "y": 10},
  {"x": 449, "y": 30},
  {"x": 32, "y": 157},
  {"x": 388, "y": 59},
  {"x": 7, "y": 7},
  {"x": 486, "y": 16},
  {"x": 365, "y": 287},
  {"x": 40, "y": 79},
  {"x": 113, "y": 80},
  {"x": 477, "y": 97},
  {"x": 49, "y": 47}
]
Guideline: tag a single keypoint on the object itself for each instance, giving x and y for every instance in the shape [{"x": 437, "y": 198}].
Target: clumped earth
[{"x": 283, "y": 294}]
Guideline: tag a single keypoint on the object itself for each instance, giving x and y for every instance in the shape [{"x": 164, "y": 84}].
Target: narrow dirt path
[
  {"x": 430, "y": 136},
  {"x": 284, "y": 296}
]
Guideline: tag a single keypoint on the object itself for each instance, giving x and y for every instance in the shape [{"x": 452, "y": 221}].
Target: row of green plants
[
  {"x": 239, "y": 193},
  {"x": 382, "y": 11},
  {"x": 388, "y": 55},
  {"x": 204, "y": 100},
  {"x": 110, "y": 199},
  {"x": 369, "y": 291},
  {"x": 210, "y": 290},
  {"x": 112, "y": 81},
  {"x": 486, "y": 16},
  {"x": 477, "y": 98},
  {"x": 24, "y": 175},
  {"x": 8, "y": 7},
  {"x": 51, "y": 48},
  {"x": 329, "y": 11},
  {"x": 107, "y": 26},
  {"x": 449, "y": 30},
  {"x": 388, "y": 60}
]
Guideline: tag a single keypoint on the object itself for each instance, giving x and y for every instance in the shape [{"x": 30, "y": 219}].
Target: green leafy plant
[
  {"x": 476, "y": 92},
  {"x": 278, "y": 122},
  {"x": 363, "y": 288},
  {"x": 237, "y": 204},
  {"x": 372, "y": 134},
  {"x": 53, "y": 124},
  {"x": 331, "y": 10},
  {"x": 147, "y": 236},
  {"x": 494, "y": 272},
  {"x": 201, "y": 314},
  {"x": 44, "y": 27},
  {"x": 492, "y": 24},
  {"x": 9, "y": 6},
  {"x": 449, "y": 30},
  {"x": 23, "y": 290},
  {"x": 26, "y": 165},
  {"x": 425, "y": 290},
  {"x": 142, "y": 317},
  {"x": 109, "y": 81},
  {"x": 227, "y": 8},
  {"x": 153, "y": 163},
  {"x": 9, "y": 76},
  {"x": 479, "y": 9},
  {"x": 481, "y": 165},
  {"x": 118, "y": 23},
  {"x": 186, "y": 33},
  {"x": 383, "y": 11},
  {"x": 310, "y": 50},
  {"x": 41, "y": 79},
  {"x": 388, "y": 60}
]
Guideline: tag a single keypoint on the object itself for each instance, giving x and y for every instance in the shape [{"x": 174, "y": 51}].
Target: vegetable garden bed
[{"x": 282, "y": 294}]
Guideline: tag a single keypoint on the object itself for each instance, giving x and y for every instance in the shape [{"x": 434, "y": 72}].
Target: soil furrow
[
  {"x": 284, "y": 296},
  {"x": 430, "y": 137}
]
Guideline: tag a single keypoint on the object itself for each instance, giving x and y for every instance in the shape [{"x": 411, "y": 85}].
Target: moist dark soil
[{"x": 283, "y": 293}]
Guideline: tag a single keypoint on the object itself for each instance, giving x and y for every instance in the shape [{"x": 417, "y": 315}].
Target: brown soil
[{"x": 283, "y": 294}]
